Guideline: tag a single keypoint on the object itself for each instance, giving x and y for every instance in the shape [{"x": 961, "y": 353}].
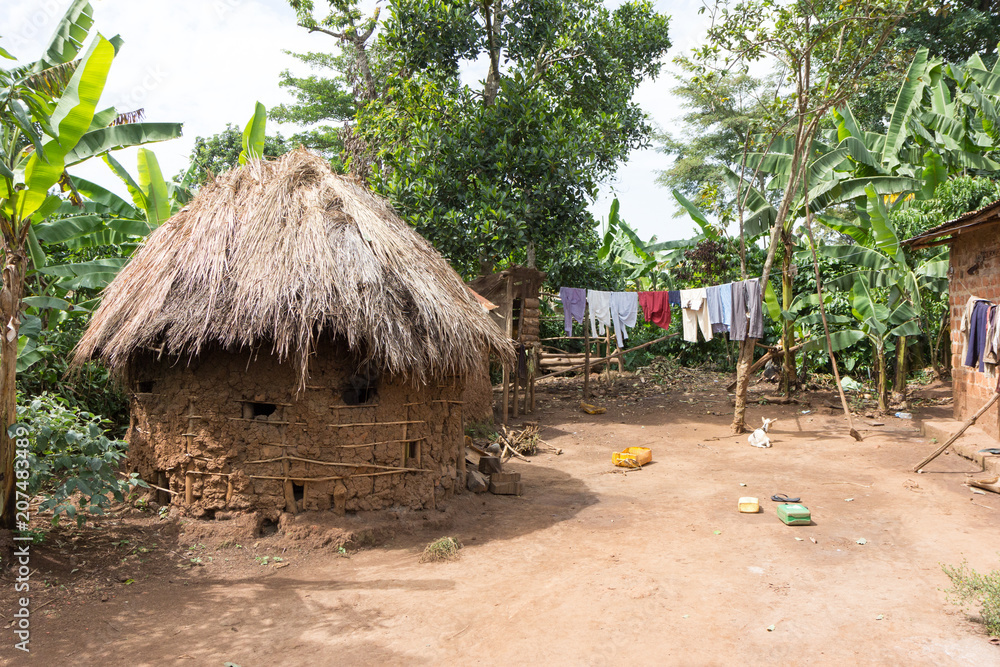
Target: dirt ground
[{"x": 592, "y": 565}]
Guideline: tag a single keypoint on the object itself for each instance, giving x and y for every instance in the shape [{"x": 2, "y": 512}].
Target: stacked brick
[{"x": 975, "y": 271}]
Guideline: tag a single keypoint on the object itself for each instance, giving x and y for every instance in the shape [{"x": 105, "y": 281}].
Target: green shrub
[
  {"x": 91, "y": 388},
  {"x": 971, "y": 588},
  {"x": 73, "y": 464}
]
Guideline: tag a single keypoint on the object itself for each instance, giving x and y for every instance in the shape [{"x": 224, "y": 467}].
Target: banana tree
[
  {"x": 894, "y": 286},
  {"x": 100, "y": 219},
  {"x": 828, "y": 174},
  {"x": 645, "y": 263},
  {"x": 48, "y": 123}
]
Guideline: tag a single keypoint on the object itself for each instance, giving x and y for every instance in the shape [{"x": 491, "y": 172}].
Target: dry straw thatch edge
[{"x": 280, "y": 253}]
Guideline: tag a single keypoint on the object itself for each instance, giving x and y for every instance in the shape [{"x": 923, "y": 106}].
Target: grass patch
[
  {"x": 970, "y": 588},
  {"x": 445, "y": 548}
]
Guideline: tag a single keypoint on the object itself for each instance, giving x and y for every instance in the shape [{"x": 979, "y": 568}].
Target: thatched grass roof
[{"x": 279, "y": 253}]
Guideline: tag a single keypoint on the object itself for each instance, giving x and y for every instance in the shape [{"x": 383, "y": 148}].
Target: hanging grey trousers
[{"x": 748, "y": 316}]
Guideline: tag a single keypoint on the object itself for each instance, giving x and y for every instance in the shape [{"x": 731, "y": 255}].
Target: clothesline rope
[{"x": 735, "y": 308}]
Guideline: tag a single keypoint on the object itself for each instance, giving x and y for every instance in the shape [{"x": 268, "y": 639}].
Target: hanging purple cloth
[
  {"x": 674, "y": 298},
  {"x": 574, "y": 303}
]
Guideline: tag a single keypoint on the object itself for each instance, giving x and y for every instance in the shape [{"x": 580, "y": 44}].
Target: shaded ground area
[{"x": 592, "y": 565}]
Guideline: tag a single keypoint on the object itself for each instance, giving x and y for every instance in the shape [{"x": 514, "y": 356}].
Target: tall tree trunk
[
  {"x": 788, "y": 328},
  {"x": 10, "y": 310},
  {"x": 803, "y": 135},
  {"x": 936, "y": 359},
  {"x": 883, "y": 384},
  {"x": 743, "y": 363},
  {"x": 899, "y": 383},
  {"x": 492, "y": 16}
]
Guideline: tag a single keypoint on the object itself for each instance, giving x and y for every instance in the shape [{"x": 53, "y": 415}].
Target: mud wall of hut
[{"x": 230, "y": 432}]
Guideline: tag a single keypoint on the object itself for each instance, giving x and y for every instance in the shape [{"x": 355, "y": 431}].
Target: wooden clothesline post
[{"x": 508, "y": 330}]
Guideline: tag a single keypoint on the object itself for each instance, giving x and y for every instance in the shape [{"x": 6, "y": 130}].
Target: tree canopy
[
  {"x": 484, "y": 169},
  {"x": 220, "y": 152}
]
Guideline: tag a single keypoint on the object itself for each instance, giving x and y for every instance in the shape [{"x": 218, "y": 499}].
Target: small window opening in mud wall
[
  {"x": 144, "y": 387},
  {"x": 255, "y": 410},
  {"x": 298, "y": 491},
  {"x": 411, "y": 453},
  {"x": 361, "y": 388}
]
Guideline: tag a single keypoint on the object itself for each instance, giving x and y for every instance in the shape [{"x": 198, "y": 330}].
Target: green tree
[
  {"x": 484, "y": 171},
  {"x": 49, "y": 121},
  {"x": 319, "y": 101},
  {"x": 952, "y": 30},
  {"x": 722, "y": 110},
  {"x": 887, "y": 286},
  {"x": 220, "y": 152},
  {"x": 842, "y": 39}
]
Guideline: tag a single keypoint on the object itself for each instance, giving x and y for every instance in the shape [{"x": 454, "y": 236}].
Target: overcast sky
[{"x": 206, "y": 62}]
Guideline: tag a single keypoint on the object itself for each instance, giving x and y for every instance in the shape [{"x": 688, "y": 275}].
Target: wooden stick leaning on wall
[{"x": 968, "y": 422}]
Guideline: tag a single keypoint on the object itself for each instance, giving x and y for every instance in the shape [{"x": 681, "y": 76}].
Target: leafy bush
[
  {"x": 969, "y": 587},
  {"x": 91, "y": 389},
  {"x": 73, "y": 464}
]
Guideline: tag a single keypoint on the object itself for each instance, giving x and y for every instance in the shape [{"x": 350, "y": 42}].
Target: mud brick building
[
  {"x": 290, "y": 344},
  {"x": 974, "y": 242}
]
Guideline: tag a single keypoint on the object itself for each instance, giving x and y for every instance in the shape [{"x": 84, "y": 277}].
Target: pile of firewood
[
  {"x": 484, "y": 467},
  {"x": 522, "y": 444}
]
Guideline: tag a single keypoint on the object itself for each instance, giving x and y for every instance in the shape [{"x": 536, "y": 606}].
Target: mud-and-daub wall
[{"x": 231, "y": 431}]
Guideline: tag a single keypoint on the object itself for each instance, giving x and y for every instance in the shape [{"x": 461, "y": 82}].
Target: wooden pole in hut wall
[
  {"x": 188, "y": 439},
  {"x": 289, "y": 490}
]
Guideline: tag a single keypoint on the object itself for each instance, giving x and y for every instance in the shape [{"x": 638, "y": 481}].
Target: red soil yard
[{"x": 592, "y": 565}]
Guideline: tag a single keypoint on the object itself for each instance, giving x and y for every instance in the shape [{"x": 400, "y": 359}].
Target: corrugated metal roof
[{"x": 957, "y": 226}]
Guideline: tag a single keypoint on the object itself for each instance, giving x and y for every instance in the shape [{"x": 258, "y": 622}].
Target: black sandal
[{"x": 782, "y": 498}]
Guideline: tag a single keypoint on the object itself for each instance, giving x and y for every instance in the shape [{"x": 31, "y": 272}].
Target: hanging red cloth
[{"x": 655, "y": 308}]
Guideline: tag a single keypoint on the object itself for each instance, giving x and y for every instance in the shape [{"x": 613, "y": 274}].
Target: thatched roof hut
[
  {"x": 290, "y": 344},
  {"x": 276, "y": 253}
]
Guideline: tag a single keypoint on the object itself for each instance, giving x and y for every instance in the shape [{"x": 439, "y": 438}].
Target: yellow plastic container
[
  {"x": 749, "y": 505},
  {"x": 632, "y": 457}
]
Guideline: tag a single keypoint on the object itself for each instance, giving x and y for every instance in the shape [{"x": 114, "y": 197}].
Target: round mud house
[{"x": 290, "y": 344}]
